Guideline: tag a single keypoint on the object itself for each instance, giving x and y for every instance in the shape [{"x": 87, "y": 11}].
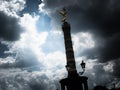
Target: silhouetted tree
[
  {"x": 100, "y": 88},
  {"x": 115, "y": 89}
]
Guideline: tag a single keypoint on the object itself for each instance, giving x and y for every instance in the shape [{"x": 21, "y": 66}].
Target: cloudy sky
[{"x": 32, "y": 54}]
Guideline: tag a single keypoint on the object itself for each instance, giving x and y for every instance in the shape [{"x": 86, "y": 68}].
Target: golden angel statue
[{"x": 63, "y": 12}]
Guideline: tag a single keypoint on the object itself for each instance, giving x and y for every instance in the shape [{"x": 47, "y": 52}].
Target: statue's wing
[{"x": 61, "y": 12}]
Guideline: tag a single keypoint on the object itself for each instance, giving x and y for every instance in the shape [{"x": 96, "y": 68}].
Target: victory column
[{"x": 73, "y": 80}]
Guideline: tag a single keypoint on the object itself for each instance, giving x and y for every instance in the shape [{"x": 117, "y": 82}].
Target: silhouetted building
[{"x": 115, "y": 89}]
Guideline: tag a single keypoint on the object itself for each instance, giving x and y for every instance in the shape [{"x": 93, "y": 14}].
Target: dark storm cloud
[
  {"x": 107, "y": 49},
  {"x": 98, "y": 17},
  {"x": 26, "y": 58},
  {"x": 96, "y": 78},
  {"x": 23, "y": 59},
  {"x": 3, "y": 48},
  {"x": 103, "y": 22},
  {"x": 116, "y": 68},
  {"x": 9, "y": 28},
  {"x": 37, "y": 86},
  {"x": 18, "y": 79}
]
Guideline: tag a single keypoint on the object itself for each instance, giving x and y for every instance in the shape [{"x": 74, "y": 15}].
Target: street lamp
[{"x": 83, "y": 67}]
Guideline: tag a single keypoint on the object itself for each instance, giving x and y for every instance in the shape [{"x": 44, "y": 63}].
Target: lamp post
[{"x": 83, "y": 67}]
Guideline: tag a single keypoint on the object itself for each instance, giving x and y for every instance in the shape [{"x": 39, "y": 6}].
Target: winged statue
[{"x": 63, "y": 12}]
